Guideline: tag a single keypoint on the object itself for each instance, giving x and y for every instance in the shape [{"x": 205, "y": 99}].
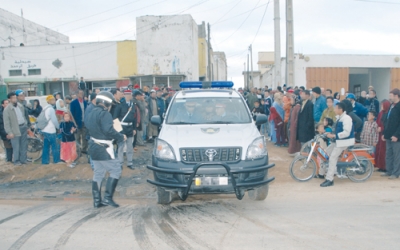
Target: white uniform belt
[
  {"x": 109, "y": 149},
  {"x": 127, "y": 123}
]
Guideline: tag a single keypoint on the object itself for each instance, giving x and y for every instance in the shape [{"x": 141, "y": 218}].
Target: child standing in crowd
[
  {"x": 369, "y": 134},
  {"x": 321, "y": 130},
  {"x": 68, "y": 144},
  {"x": 328, "y": 123},
  {"x": 256, "y": 111},
  {"x": 278, "y": 121}
]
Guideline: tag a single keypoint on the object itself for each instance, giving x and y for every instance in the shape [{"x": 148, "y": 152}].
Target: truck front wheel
[
  {"x": 259, "y": 194},
  {"x": 163, "y": 197}
]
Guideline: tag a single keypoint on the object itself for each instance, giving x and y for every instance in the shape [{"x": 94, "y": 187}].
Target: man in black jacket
[
  {"x": 391, "y": 135},
  {"x": 99, "y": 122},
  {"x": 126, "y": 115},
  {"x": 3, "y": 134},
  {"x": 305, "y": 122}
]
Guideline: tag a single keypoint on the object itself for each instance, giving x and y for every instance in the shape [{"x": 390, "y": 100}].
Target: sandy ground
[{"x": 53, "y": 210}]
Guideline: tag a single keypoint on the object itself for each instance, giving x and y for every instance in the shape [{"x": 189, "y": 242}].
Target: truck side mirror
[
  {"x": 261, "y": 119},
  {"x": 155, "y": 120}
]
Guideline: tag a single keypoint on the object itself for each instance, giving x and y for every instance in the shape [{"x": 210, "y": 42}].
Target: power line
[
  {"x": 262, "y": 19},
  {"x": 214, "y": 8},
  {"x": 241, "y": 23},
  {"x": 228, "y": 11},
  {"x": 216, "y": 23}
]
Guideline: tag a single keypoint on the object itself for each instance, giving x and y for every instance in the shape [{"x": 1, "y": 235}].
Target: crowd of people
[
  {"x": 63, "y": 122},
  {"x": 297, "y": 114}
]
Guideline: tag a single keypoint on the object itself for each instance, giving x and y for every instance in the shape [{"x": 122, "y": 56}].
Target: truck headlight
[
  {"x": 163, "y": 150},
  {"x": 257, "y": 149}
]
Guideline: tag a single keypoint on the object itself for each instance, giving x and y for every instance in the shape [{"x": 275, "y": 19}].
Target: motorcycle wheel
[
  {"x": 300, "y": 170},
  {"x": 365, "y": 173}
]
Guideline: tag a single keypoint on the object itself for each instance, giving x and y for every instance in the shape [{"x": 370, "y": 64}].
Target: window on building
[
  {"x": 15, "y": 72},
  {"x": 357, "y": 90},
  {"x": 32, "y": 72}
]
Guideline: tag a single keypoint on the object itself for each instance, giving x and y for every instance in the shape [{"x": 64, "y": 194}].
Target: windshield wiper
[
  {"x": 221, "y": 122},
  {"x": 177, "y": 123}
]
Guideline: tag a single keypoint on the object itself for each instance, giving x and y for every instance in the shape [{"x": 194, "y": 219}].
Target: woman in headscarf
[
  {"x": 294, "y": 144},
  {"x": 380, "y": 152},
  {"x": 36, "y": 109},
  {"x": 60, "y": 110},
  {"x": 278, "y": 105}
]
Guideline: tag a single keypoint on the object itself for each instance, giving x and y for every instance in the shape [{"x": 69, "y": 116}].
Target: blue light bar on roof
[{"x": 206, "y": 85}]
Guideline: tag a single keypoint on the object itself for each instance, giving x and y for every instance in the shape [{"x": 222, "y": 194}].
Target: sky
[{"x": 320, "y": 26}]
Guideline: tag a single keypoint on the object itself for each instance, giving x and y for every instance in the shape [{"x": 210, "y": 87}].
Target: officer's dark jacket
[
  {"x": 100, "y": 126},
  {"x": 392, "y": 123},
  {"x": 120, "y": 112}
]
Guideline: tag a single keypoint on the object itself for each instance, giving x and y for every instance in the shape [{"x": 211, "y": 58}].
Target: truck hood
[{"x": 209, "y": 135}]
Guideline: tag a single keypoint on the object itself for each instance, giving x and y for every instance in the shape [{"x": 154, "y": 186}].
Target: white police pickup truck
[{"x": 209, "y": 144}]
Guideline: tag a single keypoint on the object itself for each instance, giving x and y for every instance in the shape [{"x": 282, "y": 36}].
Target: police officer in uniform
[{"x": 99, "y": 122}]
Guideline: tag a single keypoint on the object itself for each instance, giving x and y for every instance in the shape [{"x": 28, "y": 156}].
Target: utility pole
[
  {"x": 247, "y": 76},
  {"x": 209, "y": 52},
  {"x": 277, "y": 44},
  {"x": 244, "y": 75},
  {"x": 289, "y": 44},
  {"x": 251, "y": 61}
]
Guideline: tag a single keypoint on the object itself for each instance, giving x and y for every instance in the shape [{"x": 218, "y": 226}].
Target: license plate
[{"x": 211, "y": 181}]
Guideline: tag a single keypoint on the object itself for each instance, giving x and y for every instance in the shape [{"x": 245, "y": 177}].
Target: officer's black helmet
[{"x": 105, "y": 97}]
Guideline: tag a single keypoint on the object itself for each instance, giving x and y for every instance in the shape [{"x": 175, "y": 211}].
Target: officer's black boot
[
  {"x": 110, "y": 189},
  {"x": 96, "y": 191}
]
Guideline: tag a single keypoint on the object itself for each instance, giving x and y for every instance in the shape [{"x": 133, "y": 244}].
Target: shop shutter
[{"x": 328, "y": 78}]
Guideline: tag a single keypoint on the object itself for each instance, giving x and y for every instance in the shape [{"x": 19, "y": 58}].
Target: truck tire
[
  {"x": 163, "y": 197},
  {"x": 259, "y": 194}
]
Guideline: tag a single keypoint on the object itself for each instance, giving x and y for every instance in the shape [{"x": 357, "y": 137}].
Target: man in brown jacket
[{"x": 16, "y": 125}]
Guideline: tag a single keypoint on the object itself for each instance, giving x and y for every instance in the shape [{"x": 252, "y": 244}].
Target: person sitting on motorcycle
[{"x": 344, "y": 135}]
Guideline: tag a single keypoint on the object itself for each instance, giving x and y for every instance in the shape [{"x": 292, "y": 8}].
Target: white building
[
  {"x": 45, "y": 69},
  {"x": 354, "y": 73},
  {"x": 219, "y": 66},
  {"x": 167, "y": 49},
  {"x": 15, "y": 30}
]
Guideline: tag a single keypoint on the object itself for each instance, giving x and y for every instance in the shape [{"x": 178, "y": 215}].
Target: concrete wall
[
  {"x": 168, "y": 45},
  {"x": 126, "y": 58},
  {"x": 220, "y": 67},
  {"x": 351, "y": 61},
  {"x": 93, "y": 61},
  {"x": 25, "y": 31},
  {"x": 203, "y": 57}
]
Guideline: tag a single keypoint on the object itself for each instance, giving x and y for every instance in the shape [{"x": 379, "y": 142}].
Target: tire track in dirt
[
  {"x": 154, "y": 220},
  {"x": 186, "y": 232},
  {"x": 67, "y": 234},
  {"x": 139, "y": 229},
  {"x": 262, "y": 225},
  {"x": 22, "y": 240},
  {"x": 23, "y": 212}
]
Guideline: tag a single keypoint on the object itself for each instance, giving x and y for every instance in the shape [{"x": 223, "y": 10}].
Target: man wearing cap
[
  {"x": 152, "y": 130},
  {"x": 138, "y": 100},
  {"x": 221, "y": 115},
  {"x": 320, "y": 103},
  {"x": 160, "y": 103},
  {"x": 15, "y": 125},
  {"x": 21, "y": 100},
  {"x": 50, "y": 133},
  {"x": 126, "y": 115}
]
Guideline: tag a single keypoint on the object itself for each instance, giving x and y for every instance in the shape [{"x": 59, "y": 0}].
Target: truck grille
[{"x": 196, "y": 155}]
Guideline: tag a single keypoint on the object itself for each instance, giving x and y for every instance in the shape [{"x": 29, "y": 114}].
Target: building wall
[
  {"x": 90, "y": 60},
  {"x": 219, "y": 66},
  {"x": 168, "y": 45},
  {"x": 203, "y": 57},
  {"x": 395, "y": 78},
  {"x": 126, "y": 58},
  {"x": 380, "y": 79},
  {"x": 25, "y": 31}
]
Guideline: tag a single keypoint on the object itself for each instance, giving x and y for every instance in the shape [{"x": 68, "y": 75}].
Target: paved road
[{"x": 294, "y": 216}]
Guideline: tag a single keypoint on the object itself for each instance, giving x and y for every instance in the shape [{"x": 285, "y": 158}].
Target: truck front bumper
[{"x": 241, "y": 176}]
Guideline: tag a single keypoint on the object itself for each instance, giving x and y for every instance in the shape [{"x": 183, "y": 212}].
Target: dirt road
[{"x": 56, "y": 213}]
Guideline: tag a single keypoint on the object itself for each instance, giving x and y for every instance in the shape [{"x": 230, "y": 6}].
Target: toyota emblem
[{"x": 211, "y": 153}]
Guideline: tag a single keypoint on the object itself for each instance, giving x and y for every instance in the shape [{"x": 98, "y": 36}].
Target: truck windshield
[{"x": 208, "y": 111}]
